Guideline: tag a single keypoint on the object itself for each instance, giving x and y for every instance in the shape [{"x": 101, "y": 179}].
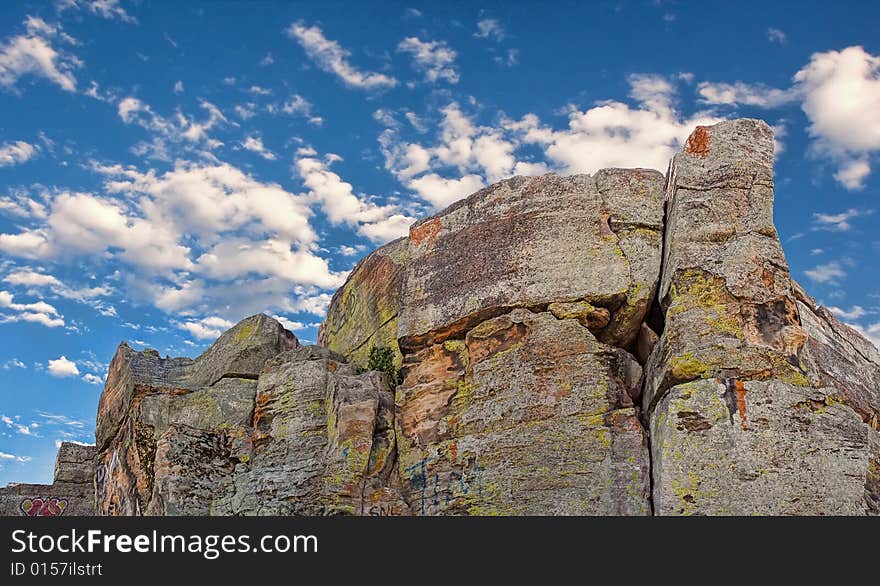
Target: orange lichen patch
[
  {"x": 698, "y": 142},
  {"x": 486, "y": 340},
  {"x": 262, "y": 418},
  {"x": 425, "y": 233},
  {"x": 739, "y": 389},
  {"x": 420, "y": 415},
  {"x": 433, "y": 364},
  {"x": 453, "y": 452}
]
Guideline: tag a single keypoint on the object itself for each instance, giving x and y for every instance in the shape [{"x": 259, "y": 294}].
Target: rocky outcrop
[
  {"x": 752, "y": 405},
  {"x": 614, "y": 344},
  {"x": 257, "y": 425},
  {"x": 363, "y": 312},
  {"x": 71, "y": 493}
]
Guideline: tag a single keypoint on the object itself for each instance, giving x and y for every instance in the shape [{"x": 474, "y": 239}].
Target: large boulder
[
  {"x": 255, "y": 425},
  {"x": 363, "y": 312},
  {"x": 72, "y": 492},
  {"x": 532, "y": 241},
  {"x": 527, "y": 415},
  {"x": 759, "y": 401}
]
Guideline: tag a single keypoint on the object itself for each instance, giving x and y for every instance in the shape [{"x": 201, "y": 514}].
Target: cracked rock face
[
  {"x": 759, "y": 402},
  {"x": 614, "y": 344},
  {"x": 71, "y": 492}
]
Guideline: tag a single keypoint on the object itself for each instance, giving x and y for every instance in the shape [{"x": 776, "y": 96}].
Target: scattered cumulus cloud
[
  {"x": 838, "y": 222},
  {"x": 39, "y": 52},
  {"x": 208, "y": 328},
  {"x": 775, "y": 35},
  {"x": 61, "y": 367},
  {"x": 827, "y": 273},
  {"x": 434, "y": 59},
  {"x": 331, "y": 57},
  {"x": 17, "y": 152},
  {"x": 489, "y": 28},
  {"x": 255, "y": 145}
]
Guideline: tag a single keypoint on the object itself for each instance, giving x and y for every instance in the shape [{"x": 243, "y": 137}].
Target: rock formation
[
  {"x": 621, "y": 343},
  {"x": 71, "y": 492}
]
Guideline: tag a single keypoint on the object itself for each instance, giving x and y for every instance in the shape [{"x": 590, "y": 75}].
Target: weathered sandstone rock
[
  {"x": 759, "y": 401},
  {"x": 532, "y": 241},
  {"x": 577, "y": 345},
  {"x": 256, "y": 425},
  {"x": 363, "y": 312},
  {"x": 71, "y": 493},
  {"x": 528, "y": 414}
]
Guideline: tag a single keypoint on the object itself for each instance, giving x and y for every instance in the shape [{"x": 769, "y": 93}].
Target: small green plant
[{"x": 382, "y": 359}]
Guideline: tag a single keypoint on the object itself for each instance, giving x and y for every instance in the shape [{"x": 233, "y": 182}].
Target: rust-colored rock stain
[
  {"x": 425, "y": 233},
  {"x": 698, "y": 142}
]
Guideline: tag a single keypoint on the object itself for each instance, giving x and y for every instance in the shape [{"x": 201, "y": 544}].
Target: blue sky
[{"x": 169, "y": 168}]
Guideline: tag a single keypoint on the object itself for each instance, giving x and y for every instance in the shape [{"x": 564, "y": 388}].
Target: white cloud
[
  {"x": 745, "y": 94},
  {"x": 38, "y": 312},
  {"x": 434, "y": 59},
  {"x": 345, "y": 250},
  {"x": 14, "y": 458},
  {"x": 853, "y": 173},
  {"x": 178, "y": 87},
  {"x": 108, "y": 9},
  {"x": 255, "y": 145},
  {"x": 296, "y": 105},
  {"x": 179, "y": 129},
  {"x": 331, "y": 57},
  {"x": 291, "y": 325},
  {"x": 441, "y": 191},
  {"x": 855, "y": 312},
  {"x": 62, "y": 367},
  {"x": 838, "y": 222},
  {"x": 92, "y": 379},
  {"x": 13, "y": 363},
  {"x": 260, "y": 91},
  {"x": 610, "y": 134},
  {"x": 33, "y": 53},
  {"x": 775, "y": 35},
  {"x": 14, "y": 153},
  {"x": 234, "y": 257},
  {"x": 489, "y": 28},
  {"x": 195, "y": 237},
  {"x": 207, "y": 328},
  {"x": 826, "y": 273},
  {"x": 32, "y": 279},
  {"x": 379, "y": 223}
]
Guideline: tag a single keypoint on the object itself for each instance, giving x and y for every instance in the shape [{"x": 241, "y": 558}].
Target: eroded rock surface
[
  {"x": 759, "y": 401},
  {"x": 255, "y": 425},
  {"x": 363, "y": 312},
  {"x": 568, "y": 345},
  {"x": 72, "y": 492},
  {"x": 532, "y": 241}
]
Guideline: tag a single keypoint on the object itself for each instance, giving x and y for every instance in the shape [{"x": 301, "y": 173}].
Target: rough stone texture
[
  {"x": 72, "y": 492},
  {"x": 532, "y": 241},
  {"x": 732, "y": 447},
  {"x": 839, "y": 357},
  {"x": 522, "y": 317},
  {"x": 363, "y": 312},
  {"x": 238, "y": 353},
  {"x": 282, "y": 429},
  {"x": 725, "y": 288},
  {"x": 527, "y": 415},
  {"x": 759, "y": 401}
]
